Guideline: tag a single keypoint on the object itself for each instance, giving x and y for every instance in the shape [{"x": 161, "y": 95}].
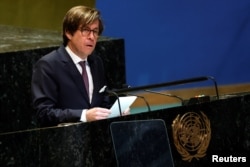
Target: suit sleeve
[{"x": 45, "y": 97}]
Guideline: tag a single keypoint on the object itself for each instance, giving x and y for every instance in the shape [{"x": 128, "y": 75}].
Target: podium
[{"x": 91, "y": 144}]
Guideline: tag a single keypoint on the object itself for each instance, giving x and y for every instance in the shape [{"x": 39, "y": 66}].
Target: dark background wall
[{"x": 167, "y": 40}]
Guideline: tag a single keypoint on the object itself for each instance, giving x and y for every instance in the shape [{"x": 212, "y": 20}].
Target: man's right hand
[{"x": 97, "y": 113}]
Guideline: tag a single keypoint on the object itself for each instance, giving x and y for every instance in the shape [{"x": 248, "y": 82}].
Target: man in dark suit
[{"x": 58, "y": 85}]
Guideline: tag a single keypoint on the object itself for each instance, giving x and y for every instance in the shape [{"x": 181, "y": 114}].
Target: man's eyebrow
[{"x": 86, "y": 27}]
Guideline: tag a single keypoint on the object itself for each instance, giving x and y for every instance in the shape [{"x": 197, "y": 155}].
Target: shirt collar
[{"x": 73, "y": 56}]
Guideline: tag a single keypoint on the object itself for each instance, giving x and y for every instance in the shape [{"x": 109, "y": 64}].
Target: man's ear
[{"x": 68, "y": 34}]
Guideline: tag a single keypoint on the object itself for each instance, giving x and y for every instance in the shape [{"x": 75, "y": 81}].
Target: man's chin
[{"x": 89, "y": 51}]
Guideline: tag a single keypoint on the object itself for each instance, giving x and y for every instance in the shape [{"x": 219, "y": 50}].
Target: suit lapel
[
  {"x": 94, "y": 77},
  {"x": 70, "y": 67}
]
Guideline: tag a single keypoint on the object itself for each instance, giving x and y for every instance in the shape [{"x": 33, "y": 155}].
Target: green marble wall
[{"x": 45, "y": 14}]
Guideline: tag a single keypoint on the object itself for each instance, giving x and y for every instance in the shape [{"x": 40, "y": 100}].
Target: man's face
[{"x": 83, "y": 41}]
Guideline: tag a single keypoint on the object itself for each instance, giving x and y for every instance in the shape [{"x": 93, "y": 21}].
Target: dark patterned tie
[{"x": 85, "y": 75}]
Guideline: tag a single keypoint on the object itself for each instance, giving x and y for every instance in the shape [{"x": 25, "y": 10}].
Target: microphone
[
  {"x": 143, "y": 98},
  {"x": 169, "y": 95},
  {"x": 105, "y": 90}
]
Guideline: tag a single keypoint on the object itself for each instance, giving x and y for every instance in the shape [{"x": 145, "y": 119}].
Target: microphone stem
[
  {"x": 118, "y": 100},
  {"x": 169, "y": 95},
  {"x": 143, "y": 99},
  {"x": 215, "y": 85}
]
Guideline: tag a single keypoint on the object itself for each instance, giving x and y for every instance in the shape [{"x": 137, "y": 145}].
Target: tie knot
[{"x": 82, "y": 63}]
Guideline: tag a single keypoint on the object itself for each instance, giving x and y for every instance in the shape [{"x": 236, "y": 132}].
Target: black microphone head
[{"x": 126, "y": 86}]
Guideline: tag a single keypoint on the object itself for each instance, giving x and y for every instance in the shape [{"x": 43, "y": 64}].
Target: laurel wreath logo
[{"x": 191, "y": 134}]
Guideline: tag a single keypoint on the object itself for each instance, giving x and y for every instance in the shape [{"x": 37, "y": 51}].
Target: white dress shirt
[{"x": 76, "y": 59}]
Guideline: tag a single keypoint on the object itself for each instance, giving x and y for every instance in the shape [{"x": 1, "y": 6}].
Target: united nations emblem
[{"x": 191, "y": 134}]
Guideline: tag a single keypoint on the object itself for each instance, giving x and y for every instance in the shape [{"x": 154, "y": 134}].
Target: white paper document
[{"x": 125, "y": 103}]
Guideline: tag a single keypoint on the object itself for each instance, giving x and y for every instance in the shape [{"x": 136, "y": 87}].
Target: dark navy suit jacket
[{"x": 58, "y": 90}]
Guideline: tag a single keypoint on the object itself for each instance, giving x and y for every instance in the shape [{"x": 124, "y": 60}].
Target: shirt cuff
[{"x": 83, "y": 116}]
